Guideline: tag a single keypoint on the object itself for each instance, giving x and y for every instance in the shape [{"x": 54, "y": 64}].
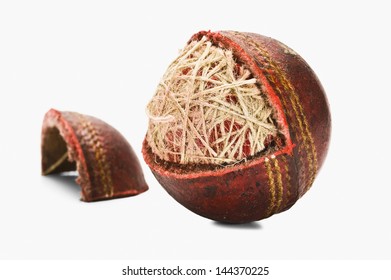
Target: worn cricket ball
[
  {"x": 106, "y": 163},
  {"x": 239, "y": 127}
]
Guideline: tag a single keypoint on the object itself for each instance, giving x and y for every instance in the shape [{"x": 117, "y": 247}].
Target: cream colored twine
[{"x": 208, "y": 109}]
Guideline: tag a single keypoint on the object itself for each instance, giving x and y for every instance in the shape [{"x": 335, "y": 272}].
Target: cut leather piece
[{"x": 106, "y": 163}]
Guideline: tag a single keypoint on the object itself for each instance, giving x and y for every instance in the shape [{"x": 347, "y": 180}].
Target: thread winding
[{"x": 209, "y": 109}]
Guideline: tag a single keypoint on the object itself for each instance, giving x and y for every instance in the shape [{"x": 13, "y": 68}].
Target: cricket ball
[{"x": 239, "y": 127}]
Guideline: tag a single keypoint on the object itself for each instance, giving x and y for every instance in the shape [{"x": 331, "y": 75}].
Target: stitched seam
[
  {"x": 272, "y": 187},
  {"x": 279, "y": 184},
  {"x": 303, "y": 124},
  {"x": 298, "y": 127},
  {"x": 295, "y": 103},
  {"x": 308, "y": 140},
  {"x": 92, "y": 140},
  {"x": 288, "y": 180}
]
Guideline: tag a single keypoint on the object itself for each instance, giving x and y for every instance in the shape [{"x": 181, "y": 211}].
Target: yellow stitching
[
  {"x": 295, "y": 126},
  {"x": 272, "y": 187},
  {"x": 287, "y": 86},
  {"x": 288, "y": 179},
  {"x": 279, "y": 184},
  {"x": 312, "y": 161},
  {"x": 100, "y": 157}
]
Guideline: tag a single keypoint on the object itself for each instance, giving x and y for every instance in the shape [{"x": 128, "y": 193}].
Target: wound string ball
[{"x": 208, "y": 109}]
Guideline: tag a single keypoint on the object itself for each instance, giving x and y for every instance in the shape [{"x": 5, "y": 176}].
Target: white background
[{"x": 105, "y": 58}]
